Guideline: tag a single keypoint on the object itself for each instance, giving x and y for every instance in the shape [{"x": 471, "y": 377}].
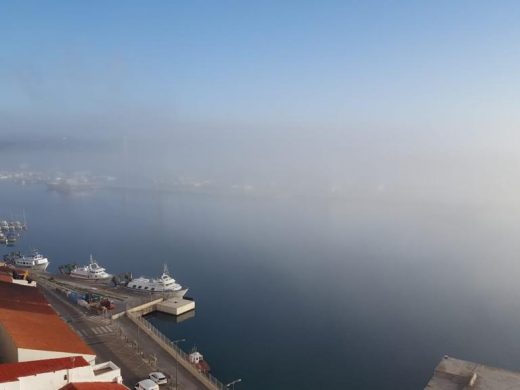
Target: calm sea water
[{"x": 304, "y": 294}]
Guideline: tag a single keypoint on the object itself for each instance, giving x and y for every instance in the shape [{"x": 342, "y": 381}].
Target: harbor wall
[{"x": 143, "y": 309}]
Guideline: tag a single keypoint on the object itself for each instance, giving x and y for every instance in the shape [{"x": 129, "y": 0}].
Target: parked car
[
  {"x": 146, "y": 384},
  {"x": 159, "y": 378}
]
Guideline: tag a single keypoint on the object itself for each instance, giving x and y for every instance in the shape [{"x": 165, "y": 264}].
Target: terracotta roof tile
[
  {"x": 24, "y": 314},
  {"x": 12, "y": 371}
]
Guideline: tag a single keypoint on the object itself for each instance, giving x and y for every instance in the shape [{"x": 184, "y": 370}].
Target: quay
[
  {"x": 124, "y": 336},
  {"x": 125, "y": 299},
  {"x": 456, "y": 374}
]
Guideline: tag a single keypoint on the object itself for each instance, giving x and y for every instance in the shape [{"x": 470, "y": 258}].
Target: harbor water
[{"x": 303, "y": 293}]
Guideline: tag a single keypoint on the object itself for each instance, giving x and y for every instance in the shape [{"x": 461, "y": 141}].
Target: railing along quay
[{"x": 182, "y": 357}]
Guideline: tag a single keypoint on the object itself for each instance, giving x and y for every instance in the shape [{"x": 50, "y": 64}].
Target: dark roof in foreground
[
  {"x": 455, "y": 374},
  {"x": 12, "y": 371}
]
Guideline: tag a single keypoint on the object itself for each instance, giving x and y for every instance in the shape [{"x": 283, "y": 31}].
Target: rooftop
[
  {"x": 5, "y": 278},
  {"x": 94, "y": 386},
  {"x": 24, "y": 313},
  {"x": 12, "y": 371},
  {"x": 455, "y": 374},
  {"x": 21, "y": 294}
]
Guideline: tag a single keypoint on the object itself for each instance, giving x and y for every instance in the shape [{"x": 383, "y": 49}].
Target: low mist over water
[{"x": 295, "y": 293}]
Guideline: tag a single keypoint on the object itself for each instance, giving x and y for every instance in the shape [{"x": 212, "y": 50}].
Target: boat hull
[
  {"x": 88, "y": 277},
  {"x": 177, "y": 294},
  {"x": 180, "y": 293},
  {"x": 39, "y": 267}
]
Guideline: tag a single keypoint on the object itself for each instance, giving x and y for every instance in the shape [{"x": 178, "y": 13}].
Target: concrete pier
[
  {"x": 455, "y": 374},
  {"x": 176, "y": 306}
]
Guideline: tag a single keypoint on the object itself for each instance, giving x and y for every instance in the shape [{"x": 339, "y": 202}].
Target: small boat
[
  {"x": 4, "y": 226},
  {"x": 92, "y": 271},
  {"x": 34, "y": 261},
  {"x": 197, "y": 359},
  {"x": 11, "y": 237},
  {"x": 165, "y": 283}
]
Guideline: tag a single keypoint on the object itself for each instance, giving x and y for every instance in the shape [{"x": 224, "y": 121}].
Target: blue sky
[
  {"x": 294, "y": 78},
  {"x": 324, "y": 64}
]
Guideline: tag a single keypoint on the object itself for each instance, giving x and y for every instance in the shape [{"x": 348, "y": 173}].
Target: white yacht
[
  {"x": 165, "y": 283},
  {"x": 91, "y": 271},
  {"x": 34, "y": 261}
]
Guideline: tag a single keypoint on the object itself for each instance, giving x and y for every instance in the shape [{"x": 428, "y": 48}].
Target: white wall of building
[
  {"x": 56, "y": 380},
  {"x": 10, "y": 386},
  {"x": 24, "y": 282},
  {"x": 26, "y": 355},
  {"x": 114, "y": 375},
  {"x": 8, "y": 351}
]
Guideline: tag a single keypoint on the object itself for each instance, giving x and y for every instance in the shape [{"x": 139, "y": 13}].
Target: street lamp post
[
  {"x": 137, "y": 339},
  {"x": 175, "y": 342},
  {"x": 232, "y": 384}
]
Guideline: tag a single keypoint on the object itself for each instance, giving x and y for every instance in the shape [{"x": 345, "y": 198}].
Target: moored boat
[
  {"x": 92, "y": 271},
  {"x": 11, "y": 237},
  {"x": 4, "y": 226},
  {"x": 165, "y": 283},
  {"x": 34, "y": 261}
]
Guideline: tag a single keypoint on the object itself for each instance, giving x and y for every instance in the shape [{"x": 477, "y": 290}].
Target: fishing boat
[
  {"x": 165, "y": 283},
  {"x": 34, "y": 261},
  {"x": 92, "y": 271}
]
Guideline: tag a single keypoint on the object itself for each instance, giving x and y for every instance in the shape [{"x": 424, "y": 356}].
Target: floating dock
[{"x": 176, "y": 306}]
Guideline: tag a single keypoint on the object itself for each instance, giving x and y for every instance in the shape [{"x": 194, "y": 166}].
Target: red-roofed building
[
  {"x": 31, "y": 330},
  {"x": 13, "y": 371},
  {"x": 54, "y": 374},
  {"x": 94, "y": 386}
]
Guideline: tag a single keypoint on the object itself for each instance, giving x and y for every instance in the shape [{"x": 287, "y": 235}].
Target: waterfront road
[{"x": 119, "y": 341}]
